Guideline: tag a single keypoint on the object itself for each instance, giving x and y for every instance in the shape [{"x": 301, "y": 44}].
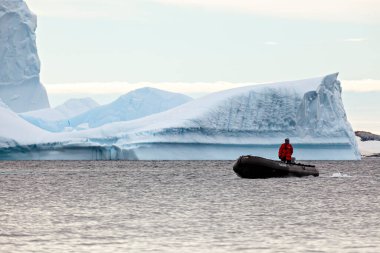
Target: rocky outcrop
[{"x": 367, "y": 136}]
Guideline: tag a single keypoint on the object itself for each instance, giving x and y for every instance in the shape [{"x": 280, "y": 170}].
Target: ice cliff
[
  {"x": 223, "y": 125},
  {"x": 20, "y": 86}
]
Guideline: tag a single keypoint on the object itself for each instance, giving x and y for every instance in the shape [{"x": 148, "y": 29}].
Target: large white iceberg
[
  {"x": 20, "y": 86},
  {"x": 223, "y": 125}
]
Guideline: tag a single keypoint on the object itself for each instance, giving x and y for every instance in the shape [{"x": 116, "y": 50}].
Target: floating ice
[
  {"x": 223, "y": 125},
  {"x": 20, "y": 86},
  {"x": 339, "y": 174}
]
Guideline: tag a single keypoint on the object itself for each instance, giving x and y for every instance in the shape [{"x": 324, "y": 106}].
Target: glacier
[
  {"x": 20, "y": 86},
  {"x": 133, "y": 105},
  {"x": 222, "y": 126}
]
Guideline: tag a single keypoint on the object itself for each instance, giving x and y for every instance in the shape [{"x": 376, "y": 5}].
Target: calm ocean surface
[{"x": 186, "y": 206}]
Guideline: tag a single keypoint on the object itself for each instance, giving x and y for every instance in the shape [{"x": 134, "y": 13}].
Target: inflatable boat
[{"x": 259, "y": 167}]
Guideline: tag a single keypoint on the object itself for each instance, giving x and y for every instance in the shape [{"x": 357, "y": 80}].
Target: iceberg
[
  {"x": 20, "y": 86},
  {"x": 133, "y": 105},
  {"x": 15, "y": 131},
  {"x": 71, "y": 108},
  {"x": 222, "y": 126}
]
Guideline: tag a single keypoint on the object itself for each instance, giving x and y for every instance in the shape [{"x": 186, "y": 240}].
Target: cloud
[
  {"x": 86, "y": 9},
  {"x": 271, "y": 43},
  {"x": 356, "y": 40},
  {"x": 365, "y": 85},
  {"x": 359, "y": 11}
]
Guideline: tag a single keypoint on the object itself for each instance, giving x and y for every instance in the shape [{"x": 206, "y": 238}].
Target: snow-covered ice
[
  {"x": 50, "y": 118},
  {"x": 20, "y": 86},
  {"x": 69, "y": 109},
  {"x": 133, "y": 105},
  {"x": 223, "y": 125},
  {"x": 16, "y": 131},
  {"x": 339, "y": 174}
]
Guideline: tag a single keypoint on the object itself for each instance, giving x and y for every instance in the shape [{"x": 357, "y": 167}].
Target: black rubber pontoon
[{"x": 259, "y": 167}]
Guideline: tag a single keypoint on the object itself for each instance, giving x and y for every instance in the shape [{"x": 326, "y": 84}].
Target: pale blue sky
[
  {"x": 163, "y": 42},
  {"x": 102, "y": 41}
]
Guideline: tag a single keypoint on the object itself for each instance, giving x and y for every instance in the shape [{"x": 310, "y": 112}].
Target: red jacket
[{"x": 286, "y": 150}]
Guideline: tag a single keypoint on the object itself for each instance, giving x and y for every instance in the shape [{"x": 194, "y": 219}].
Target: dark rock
[{"x": 367, "y": 136}]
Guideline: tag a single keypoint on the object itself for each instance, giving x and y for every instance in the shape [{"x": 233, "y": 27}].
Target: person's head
[{"x": 287, "y": 140}]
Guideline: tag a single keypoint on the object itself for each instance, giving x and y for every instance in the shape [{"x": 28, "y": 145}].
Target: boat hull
[{"x": 259, "y": 167}]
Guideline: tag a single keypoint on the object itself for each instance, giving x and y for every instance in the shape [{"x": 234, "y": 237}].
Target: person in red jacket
[{"x": 285, "y": 152}]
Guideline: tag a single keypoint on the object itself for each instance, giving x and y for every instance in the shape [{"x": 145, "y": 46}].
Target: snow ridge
[
  {"x": 70, "y": 108},
  {"x": 136, "y": 104}
]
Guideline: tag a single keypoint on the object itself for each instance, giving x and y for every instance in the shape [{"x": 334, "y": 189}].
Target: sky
[{"x": 104, "y": 48}]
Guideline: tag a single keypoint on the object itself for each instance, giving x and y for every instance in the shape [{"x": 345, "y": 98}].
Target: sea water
[{"x": 186, "y": 206}]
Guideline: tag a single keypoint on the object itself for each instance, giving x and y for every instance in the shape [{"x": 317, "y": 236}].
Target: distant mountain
[
  {"x": 133, "y": 105},
  {"x": 367, "y": 136}
]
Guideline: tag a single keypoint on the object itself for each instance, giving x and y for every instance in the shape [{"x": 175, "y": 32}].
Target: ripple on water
[{"x": 186, "y": 206}]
